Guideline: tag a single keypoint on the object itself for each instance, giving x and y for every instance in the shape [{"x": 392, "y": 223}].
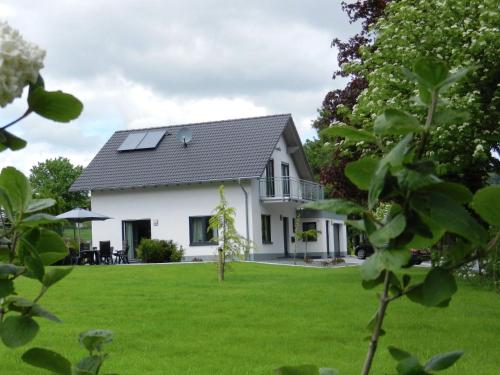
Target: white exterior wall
[
  {"x": 280, "y": 155},
  {"x": 170, "y": 206}
]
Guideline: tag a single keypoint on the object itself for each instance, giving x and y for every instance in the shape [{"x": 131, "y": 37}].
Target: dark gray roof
[{"x": 219, "y": 151}]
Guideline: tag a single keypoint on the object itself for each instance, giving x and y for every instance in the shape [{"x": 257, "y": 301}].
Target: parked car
[
  {"x": 419, "y": 255},
  {"x": 363, "y": 251}
]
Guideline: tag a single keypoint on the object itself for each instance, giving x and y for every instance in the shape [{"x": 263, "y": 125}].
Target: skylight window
[{"x": 142, "y": 140}]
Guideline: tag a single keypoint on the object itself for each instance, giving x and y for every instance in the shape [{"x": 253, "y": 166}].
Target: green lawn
[{"x": 176, "y": 319}]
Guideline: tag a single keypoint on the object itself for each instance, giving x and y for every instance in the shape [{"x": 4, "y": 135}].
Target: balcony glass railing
[{"x": 289, "y": 188}]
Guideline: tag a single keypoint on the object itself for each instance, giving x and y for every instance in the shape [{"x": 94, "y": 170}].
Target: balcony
[{"x": 279, "y": 189}]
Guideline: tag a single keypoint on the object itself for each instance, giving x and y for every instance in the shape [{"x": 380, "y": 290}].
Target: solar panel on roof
[
  {"x": 131, "y": 142},
  {"x": 151, "y": 139}
]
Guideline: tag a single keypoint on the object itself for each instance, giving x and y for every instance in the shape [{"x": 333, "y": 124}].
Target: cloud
[{"x": 135, "y": 63}]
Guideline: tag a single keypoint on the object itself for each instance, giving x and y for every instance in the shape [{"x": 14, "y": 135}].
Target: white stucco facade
[{"x": 168, "y": 210}]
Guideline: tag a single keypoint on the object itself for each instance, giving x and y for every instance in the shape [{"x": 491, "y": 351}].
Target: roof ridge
[{"x": 204, "y": 122}]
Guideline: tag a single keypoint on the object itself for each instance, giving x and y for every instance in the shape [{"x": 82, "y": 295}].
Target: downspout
[{"x": 246, "y": 217}]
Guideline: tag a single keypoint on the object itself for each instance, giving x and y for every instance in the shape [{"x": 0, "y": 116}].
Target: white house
[{"x": 155, "y": 186}]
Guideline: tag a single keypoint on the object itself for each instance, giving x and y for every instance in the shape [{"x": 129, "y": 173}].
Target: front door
[
  {"x": 286, "y": 235},
  {"x": 336, "y": 240},
  {"x": 327, "y": 238},
  {"x": 133, "y": 231}
]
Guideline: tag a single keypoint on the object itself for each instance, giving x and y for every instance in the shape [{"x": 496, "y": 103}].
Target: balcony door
[
  {"x": 270, "y": 178},
  {"x": 133, "y": 231},
  {"x": 285, "y": 174}
]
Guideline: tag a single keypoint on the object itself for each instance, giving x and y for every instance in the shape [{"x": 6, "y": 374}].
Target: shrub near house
[{"x": 159, "y": 251}]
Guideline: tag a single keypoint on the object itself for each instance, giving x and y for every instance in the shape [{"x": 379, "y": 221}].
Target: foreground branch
[{"x": 384, "y": 301}]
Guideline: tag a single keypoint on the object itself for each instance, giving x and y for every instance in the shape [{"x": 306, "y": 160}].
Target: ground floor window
[
  {"x": 199, "y": 234},
  {"x": 309, "y": 226},
  {"x": 266, "y": 228}
]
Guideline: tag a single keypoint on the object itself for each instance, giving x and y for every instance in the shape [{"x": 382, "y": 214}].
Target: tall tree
[
  {"x": 53, "y": 178},
  {"x": 231, "y": 244}
]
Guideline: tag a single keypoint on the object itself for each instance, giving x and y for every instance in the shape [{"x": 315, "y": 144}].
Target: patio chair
[
  {"x": 86, "y": 256},
  {"x": 122, "y": 255},
  {"x": 74, "y": 256},
  {"x": 105, "y": 252}
]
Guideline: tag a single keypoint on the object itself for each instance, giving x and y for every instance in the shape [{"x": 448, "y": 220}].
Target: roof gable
[{"x": 218, "y": 151}]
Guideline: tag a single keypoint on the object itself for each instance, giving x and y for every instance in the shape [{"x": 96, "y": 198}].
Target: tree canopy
[
  {"x": 459, "y": 32},
  {"x": 53, "y": 178}
]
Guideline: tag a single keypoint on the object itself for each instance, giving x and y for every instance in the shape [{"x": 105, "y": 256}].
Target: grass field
[{"x": 176, "y": 319}]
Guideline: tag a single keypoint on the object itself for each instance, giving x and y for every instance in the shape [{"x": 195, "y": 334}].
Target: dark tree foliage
[
  {"x": 366, "y": 11},
  {"x": 330, "y": 169}
]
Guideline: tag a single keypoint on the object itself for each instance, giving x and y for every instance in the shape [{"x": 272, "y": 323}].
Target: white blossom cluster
[{"x": 20, "y": 62}]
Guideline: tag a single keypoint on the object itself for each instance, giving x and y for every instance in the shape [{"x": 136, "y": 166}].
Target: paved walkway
[{"x": 322, "y": 263}]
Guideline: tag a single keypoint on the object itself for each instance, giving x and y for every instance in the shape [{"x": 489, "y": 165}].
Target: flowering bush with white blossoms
[
  {"x": 462, "y": 33},
  {"x": 20, "y": 63}
]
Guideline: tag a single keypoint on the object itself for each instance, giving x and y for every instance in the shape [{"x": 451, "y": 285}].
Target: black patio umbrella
[{"x": 79, "y": 215}]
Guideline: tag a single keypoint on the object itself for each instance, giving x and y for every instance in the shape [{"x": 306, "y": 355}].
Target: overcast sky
[{"x": 152, "y": 63}]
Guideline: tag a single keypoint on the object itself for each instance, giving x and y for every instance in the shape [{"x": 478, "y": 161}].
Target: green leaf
[
  {"x": 54, "y": 105},
  {"x": 457, "y": 192},
  {"x": 412, "y": 180},
  {"x": 17, "y": 303},
  {"x": 94, "y": 339},
  {"x": 358, "y": 224},
  {"x": 377, "y": 185},
  {"x": 54, "y": 275},
  {"x": 298, "y": 370},
  {"x": 18, "y": 330},
  {"x": 48, "y": 360},
  {"x": 351, "y": 135},
  {"x": 10, "y": 269},
  {"x": 390, "y": 260},
  {"x": 410, "y": 366},
  {"x": 398, "y": 354},
  {"x": 390, "y": 230},
  {"x": 396, "y": 122},
  {"x": 441, "y": 211},
  {"x": 449, "y": 117},
  {"x": 39, "y": 204},
  {"x": 371, "y": 268},
  {"x": 393, "y": 160},
  {"x": 37, "y": 310},
  {"x": 339, "y": 206},
  {"x": 361, "y": 171},
  {"x": 16, "y": 191},
  {"x": 40, "y": 219},
  {"x": 90, "y": 364},
  {"x": 9, "y": 140},
  {"x": 35, "y": 266},
  {"x": 396, "y": 156},
  {"x": 438, "y": 287},
  {"x": 47, "y": 244},
  {"x": 486, "y": 203},
  {"x": 430, "y": 72},
  {"x": 454, "y": 77},
  {"x": 6, "y": 288},
  {"x": 443, "y": 361}
]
